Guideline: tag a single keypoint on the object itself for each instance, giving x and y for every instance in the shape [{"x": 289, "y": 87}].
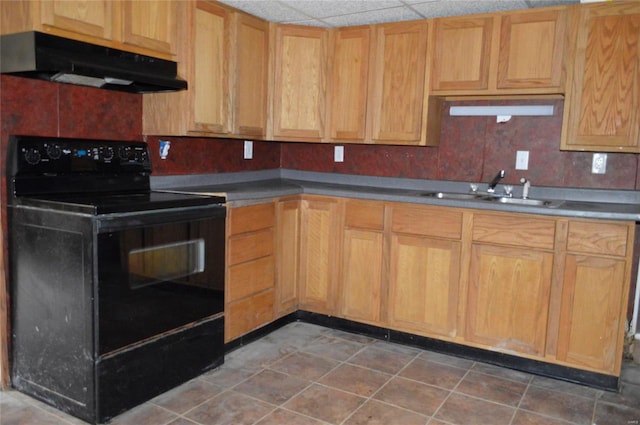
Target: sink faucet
[
  {"x": 494, "y": 182},
  {"x": 526, "y": 185}
]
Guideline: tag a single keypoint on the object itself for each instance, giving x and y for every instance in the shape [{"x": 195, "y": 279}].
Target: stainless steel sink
[{"x": 486, "y": 197}]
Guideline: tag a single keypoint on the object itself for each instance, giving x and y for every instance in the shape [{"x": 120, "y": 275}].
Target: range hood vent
[{"x": 38, "y": 55}]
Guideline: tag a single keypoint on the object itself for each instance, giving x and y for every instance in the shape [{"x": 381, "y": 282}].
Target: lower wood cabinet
[
  {"x": 424, "y": 270},
  {"x": 361, "y": 278},
  {"x": 319, "y": 242},
  {"x": 553, "y": 289},
  {"x": 249, "y": 289}
]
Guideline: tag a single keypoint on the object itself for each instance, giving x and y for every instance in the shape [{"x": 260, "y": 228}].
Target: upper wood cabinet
[
  {"x": 397, "y": 88},
  {"x": 299, "y": 87},
  {"x": 349, "y": 84},
  {"x": 602, "y": 110},
  {"x": 249, "y": 71},
  {"x": 519, "y": 52},
  {"x": 223, "y": 56},
  {"x": 138, "y": 26}
]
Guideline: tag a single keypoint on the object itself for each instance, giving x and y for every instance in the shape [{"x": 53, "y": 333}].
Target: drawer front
[
  {"x": 248, "y": 314},
  {"x": 364, "y": 214},
  {"x": 514, "y": 230},
  {"x": 251, "y": 218},
  {"x": 243, "y": 248},
  {"x": 436, "y": 222},
  {"x": 250, "y": 278},
  {"x": 592, "y": 237}
]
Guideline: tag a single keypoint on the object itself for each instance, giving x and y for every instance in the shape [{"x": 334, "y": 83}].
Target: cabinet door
[
  {"x": 349, "y": 83},
  {"x": 362, "y": 275},
  {"x": 87, "y": 17},
  {"x": 208, "y": 75},
  {"x": 462, "y": 53},
  {"x": 250, "y": 63},
  {"x": 288, "y": 215},
  {"x": 508, "y": 298},
  {"x": 604, "y": 96},
  {"x": 300, "y": 79},
  {"x": 591, "y": 325},
  {"x": 531, "y": 49},
  {"x": 150, "y": 25},
  {"x": 319, "y": 255},
  {"x": 423, "y": 285},
  {"x": 397, "y": 91}
]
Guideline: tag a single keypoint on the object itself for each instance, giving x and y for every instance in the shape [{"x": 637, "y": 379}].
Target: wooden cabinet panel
[
  {"x": 508, "y": 298},
  {"x": 300, "y": 82},
  {"x": 513, "y": 229},
  {"x": 594, "y": 237},
  {"x": 250, "y": 278},
  {"x": 603, "y": 103},
  {"x": 150, "y": 24},
  {"x": 364, "y": 214},
  {"x": 437, "y": 222},
  {"x": 251, "y": 218},
  {"x": 349, "y": 83},
  {"x": 86, "y": 17},
  {"x": 362, "y": 275},
  {"x": 209, "y": 72},
  {"x": 319, "y": 255},
  {"x": 468, "y": 67},
  {"x": 248, "y": 314},
  {"x": 423, "y": 285},
  {"x": 288, "y": 255},
  {"x": 249, "y": 73},
  {"x": 531, "y": 49},
  {"x": 250, "y": 275},
  {"x": 591, "y": 322},
  {"x": 398, "y": 76}
]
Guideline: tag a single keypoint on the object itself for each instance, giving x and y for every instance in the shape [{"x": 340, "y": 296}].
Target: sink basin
[
  {"x": 532, "y": 202},
  {"x": 485, "y": 197},
  {"x": 458, "y": 196}
]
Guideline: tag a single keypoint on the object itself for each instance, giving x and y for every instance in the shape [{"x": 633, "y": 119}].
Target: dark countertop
[{"x": 251, "y": 187}]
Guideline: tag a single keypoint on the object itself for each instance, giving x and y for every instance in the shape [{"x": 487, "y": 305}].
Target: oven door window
[
  {"x": 151, "y": 265},
  {"x": 153, "y": 280}
]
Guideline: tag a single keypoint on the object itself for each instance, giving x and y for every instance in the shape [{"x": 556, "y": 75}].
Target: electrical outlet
[
  {"x": 599, "y": 163},
  {"x": 338, "y": 154},
  {"x": 522, "y": 160},
  {"x": 248, "y": 149}
]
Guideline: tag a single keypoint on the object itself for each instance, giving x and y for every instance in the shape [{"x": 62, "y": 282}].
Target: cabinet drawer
[
  {"x": 514, "y": 230},
  {"x": 251, "y": 246},
  {"x": 435, "y": 222},
  {"x": 250, "y": 278},
  {"x": 248, "y": 314},
  {"x": 364, "y": 215},
  {"x": 597, "y": 238},
  {"x": 251, "y": 218}
]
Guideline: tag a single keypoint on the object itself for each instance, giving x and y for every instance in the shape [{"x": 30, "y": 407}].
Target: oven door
[{"x": 157, "y": 278}]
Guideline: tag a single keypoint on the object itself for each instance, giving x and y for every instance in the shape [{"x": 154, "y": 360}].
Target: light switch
[{"x": 522, "y": 160}]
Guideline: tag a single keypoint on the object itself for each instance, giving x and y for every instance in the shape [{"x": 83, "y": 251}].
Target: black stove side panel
[{"x": 52, "y": 316}]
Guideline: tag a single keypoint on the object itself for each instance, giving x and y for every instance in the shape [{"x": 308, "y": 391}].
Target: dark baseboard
[{"x": 592, "y": 379}]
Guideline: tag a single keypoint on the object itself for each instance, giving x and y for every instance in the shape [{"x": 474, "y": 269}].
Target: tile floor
[{"x": 307, "y": 374}]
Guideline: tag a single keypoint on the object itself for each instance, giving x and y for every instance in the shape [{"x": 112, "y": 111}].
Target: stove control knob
[
  {"x": 107, "y": 154},
  {"x": 54, "y": 151},
  {"x": 32, "y": 156},
  {"x": 123, "y": 152}
]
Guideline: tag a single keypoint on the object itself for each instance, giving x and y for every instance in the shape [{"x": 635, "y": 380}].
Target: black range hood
[{"x": 38, "y": 55}]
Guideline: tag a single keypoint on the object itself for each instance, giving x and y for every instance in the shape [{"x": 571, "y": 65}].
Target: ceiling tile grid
[{"x": 336, "y": 13}]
